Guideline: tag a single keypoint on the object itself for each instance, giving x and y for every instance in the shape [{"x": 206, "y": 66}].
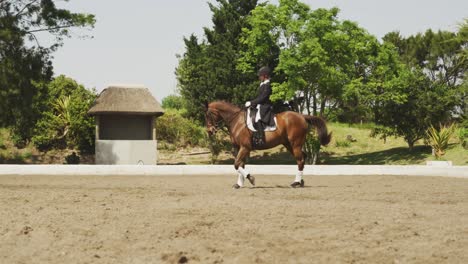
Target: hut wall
[
  {"x": 126, "y": 152},
  {"x": 125, "y": 127}
]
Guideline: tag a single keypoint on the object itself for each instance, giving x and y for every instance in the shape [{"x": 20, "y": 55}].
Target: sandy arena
[{"x": 200, "y": 219}]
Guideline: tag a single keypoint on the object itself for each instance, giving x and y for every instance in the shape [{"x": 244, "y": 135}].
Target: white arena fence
[{"x": 186, "y": 170}]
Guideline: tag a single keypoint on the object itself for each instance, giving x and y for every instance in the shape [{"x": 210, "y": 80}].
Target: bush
[
  {"x": 312, "y": 148},
  {"x": 175, "y": 129},
  {"x": 218, "y": 143},
  {"x": 462, "y": 135},
  {"x": 66, "y": 123},
  {"x": 173, "y": 102},
  {"x": 439, "y": 139}
]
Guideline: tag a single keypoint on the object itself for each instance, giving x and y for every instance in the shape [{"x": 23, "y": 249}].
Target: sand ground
[{"x": 200, "y": 219}]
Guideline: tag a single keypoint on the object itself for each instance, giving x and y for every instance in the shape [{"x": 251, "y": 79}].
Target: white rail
[{"x": 160, "y": 170}]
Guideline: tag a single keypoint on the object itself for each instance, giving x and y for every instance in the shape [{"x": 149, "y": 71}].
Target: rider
[{"x": 263, "y": 100}]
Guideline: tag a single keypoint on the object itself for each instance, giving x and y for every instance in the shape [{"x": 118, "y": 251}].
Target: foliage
[
  {"x": 439, "y": 139},
  {"x": 317, "y": 54},
  {"x": 427, "y": 88},
  {"x": 462, "y": 135},
  {"x": 216, "y": 144},
  {"x": 419, "y": 105},
  {"x": 173, "y": 102},
  {"x": 207, "y": 69},
  {"x": 312, "y": 148},
  {"x": 66, "y": 123},
  {"x": 331, "y": 67},
  {"x": 175, "y": 129},
  {"x": 23, "y": 74},
  {"x": 441, "y": 54},
  {"x": 25, "y": 66}
]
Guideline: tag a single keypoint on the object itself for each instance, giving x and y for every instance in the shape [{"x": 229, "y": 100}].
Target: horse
[{"x": 291, "y": 132}]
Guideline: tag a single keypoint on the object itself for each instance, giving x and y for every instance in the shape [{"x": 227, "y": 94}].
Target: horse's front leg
[{"x": 242, "y": 173}]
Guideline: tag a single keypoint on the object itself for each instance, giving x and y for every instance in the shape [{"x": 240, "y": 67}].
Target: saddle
[
  {"x": 254, "y": 122},
  {"x": 258, "y": 127}
]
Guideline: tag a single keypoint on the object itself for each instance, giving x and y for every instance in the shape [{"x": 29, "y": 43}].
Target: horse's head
[
  {"x": 218, "y": 112},
  {"x": 212, "y": 120}
]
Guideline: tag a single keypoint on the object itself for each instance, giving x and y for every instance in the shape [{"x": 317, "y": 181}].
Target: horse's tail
[{"x": 321, "y": 127}]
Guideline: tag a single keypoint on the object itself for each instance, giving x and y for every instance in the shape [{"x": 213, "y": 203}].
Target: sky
[{"x": 136, "y": 42}]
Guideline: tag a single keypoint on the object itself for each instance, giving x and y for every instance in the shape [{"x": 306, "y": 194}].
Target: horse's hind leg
[{"x": 300, "y": 160}]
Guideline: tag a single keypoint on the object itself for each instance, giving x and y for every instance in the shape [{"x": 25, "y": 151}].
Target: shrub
[
  {"x": 218, "y": 143},
  {"x": 462, "y": 135},
  {"x": 312, "y": 148},
  {"x": 175, "y": 129},
  {"x": 66, "y": 123},
  {"x": 173, "y": 102},
  {"x": 439, "y": 139}
]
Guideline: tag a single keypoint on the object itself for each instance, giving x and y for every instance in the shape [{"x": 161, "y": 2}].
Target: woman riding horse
[{"x": 291, "y": 132}]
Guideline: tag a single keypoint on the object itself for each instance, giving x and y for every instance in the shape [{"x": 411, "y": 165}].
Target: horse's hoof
[
  {"x": 251, "y": 179},
  {"x": 236, "y": 186},
  {"x": 298, "y": 184}
]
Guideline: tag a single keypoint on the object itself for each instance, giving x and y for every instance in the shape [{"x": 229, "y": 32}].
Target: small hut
[{"x": 125, "y": 125}]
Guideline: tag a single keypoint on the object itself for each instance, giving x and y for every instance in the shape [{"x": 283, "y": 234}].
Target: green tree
[
  {"x": 441, "y": 55},
  {"x": 427, "y": 90},
  {"x": 25, "y": 66},
  {"x": 317, "y": 54},
  {"x": 207, "y": 70}
]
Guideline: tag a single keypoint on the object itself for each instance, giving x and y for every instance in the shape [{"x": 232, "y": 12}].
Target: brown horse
[{"x": 291, "y": 132}]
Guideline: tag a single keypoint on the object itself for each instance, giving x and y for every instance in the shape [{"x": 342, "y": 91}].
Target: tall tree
[
  {"x": 317, "y": 54},
  {"x": 207, "y": 70},
  {"x": 25, "y": 65},
  {"x": 424, "y": 85}
]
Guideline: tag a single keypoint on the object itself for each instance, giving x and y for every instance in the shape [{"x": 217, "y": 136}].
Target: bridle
[
  {"x": 211, "y": 120},
  {"x": 216, "y": 124}
]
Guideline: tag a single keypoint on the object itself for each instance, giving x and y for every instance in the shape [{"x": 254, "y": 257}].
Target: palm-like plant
[
  {"x": 439, "y": 139},
  {"x": 62, "y": 108}
]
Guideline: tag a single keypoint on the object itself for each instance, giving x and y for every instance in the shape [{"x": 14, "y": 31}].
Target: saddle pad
[{"x": 251, "y": 127}]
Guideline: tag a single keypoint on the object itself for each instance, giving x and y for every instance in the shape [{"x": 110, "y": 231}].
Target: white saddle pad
[{"x": 257, "y": 117}]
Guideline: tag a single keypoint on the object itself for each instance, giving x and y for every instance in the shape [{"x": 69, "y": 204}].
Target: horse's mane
[{"x": 229, "y": 104}]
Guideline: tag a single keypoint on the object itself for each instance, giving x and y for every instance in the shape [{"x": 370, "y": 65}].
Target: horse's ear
[{"x": 205, "y": 106}]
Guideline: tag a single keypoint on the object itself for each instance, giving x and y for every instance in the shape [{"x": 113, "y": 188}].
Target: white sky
[{"x": 136, "y": 42}]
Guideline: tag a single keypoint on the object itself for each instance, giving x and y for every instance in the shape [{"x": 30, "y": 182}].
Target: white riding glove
[{"x": 248, "y": 104}]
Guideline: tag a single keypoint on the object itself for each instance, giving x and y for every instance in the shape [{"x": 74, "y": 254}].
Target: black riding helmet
[{"x": 264, "y": 71}]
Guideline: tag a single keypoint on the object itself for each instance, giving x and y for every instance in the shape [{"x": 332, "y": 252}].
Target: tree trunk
[
  {"x": 314, "y": 104},
  {"x": 322, "y": 106},
  {"x": 410, "y": 145}
]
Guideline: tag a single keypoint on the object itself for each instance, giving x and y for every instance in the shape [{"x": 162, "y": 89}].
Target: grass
[
  {"x": 365, "y": 150},
  {"x": 368, "y": 151}
]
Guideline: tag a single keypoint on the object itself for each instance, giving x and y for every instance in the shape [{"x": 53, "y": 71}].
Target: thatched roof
[{"x": 126, "y": 100}]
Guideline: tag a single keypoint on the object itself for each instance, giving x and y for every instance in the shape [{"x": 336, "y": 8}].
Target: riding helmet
[{"x": 264, "y": 71}]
